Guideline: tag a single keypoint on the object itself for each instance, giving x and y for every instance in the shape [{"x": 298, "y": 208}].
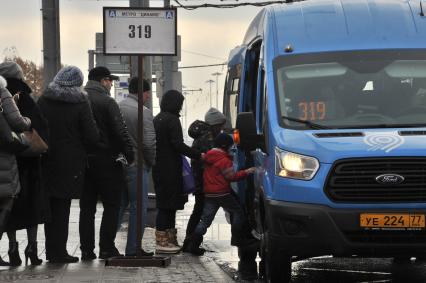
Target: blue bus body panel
[
  {"x": 236, "y": 56},
  {"x": 327, "y": 151},
  {"x": 311, "y": 192},
  {"x": 330, "y": 25}
]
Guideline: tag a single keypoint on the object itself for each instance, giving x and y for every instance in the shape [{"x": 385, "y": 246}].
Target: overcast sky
[{"x": 209, "y": 31}]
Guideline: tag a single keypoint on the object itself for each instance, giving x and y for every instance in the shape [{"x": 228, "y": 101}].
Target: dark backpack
[{"x": 198, "y": 128}]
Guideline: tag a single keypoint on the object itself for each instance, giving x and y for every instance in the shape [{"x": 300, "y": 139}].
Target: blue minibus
[{"x": 328, "y": 99}]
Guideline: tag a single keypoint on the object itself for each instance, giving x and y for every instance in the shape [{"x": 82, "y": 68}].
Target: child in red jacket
[{"x": 218, "y": 174}]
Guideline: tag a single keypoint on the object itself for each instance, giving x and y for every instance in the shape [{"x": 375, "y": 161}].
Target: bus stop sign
[{"x": 140, "y": 31}]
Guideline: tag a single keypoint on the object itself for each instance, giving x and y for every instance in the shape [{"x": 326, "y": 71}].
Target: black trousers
[
  {"x": 6, "y": 205},
  {"x": 56, "y": 231},
  {"x": 196, "y": 214},
  {"x": 229, "y": 203},
  {"x": 104, "y": 179},
  {"x": 166, "y": 219}
]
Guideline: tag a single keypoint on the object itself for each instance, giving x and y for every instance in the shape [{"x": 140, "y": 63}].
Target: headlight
[{"x": 296, "y": 166}]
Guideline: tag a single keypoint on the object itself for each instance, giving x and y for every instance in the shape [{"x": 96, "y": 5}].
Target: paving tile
[{"x": 184, "y": 267}]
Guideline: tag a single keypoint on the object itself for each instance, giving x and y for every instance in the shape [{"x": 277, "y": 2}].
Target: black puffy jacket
[
  {"x": 203, "y": 137},
  {"x": 114, "y": 137}
]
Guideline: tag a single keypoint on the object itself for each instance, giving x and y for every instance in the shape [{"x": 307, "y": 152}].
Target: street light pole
[
  {"x": 186, "y": 110},
  {"x": 210, "y": 92},
  {"x": 51, "y": 40},
  {"x": 185, "y": 94},
  {"x": 217, "y": 74}
]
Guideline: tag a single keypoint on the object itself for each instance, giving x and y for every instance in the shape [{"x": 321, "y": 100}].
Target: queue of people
[{"x": 89, "y": 154}]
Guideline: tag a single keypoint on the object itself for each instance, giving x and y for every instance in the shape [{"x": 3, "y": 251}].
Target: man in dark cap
[
  {"x": 103, "y": 76},
  {"x": 105, "y": 175},
  {"x": 129, "y": 108}
]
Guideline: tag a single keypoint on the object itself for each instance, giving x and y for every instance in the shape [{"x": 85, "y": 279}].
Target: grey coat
[
  {"x": 129, "y": 109},
  {"x": 9, "y": 176}
]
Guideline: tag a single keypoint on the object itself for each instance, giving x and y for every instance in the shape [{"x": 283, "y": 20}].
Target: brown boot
[
  {"x": 172, "y": 233},
  {"x": 164, "y": 246}
]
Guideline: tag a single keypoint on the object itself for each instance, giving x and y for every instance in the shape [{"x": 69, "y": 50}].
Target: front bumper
[{"x": 308, "y": 230}]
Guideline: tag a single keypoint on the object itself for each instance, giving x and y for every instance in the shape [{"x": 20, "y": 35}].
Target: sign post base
[{"x": 139, "y": 261}]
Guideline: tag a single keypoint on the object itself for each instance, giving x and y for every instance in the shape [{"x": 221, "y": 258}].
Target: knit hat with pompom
[{"x": 69, "y": 76}]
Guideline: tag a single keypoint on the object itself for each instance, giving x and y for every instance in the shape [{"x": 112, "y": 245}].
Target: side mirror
[{"x": 246, "y": 126}]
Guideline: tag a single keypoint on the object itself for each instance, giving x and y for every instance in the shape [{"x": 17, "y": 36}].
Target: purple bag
[{"x": 188, "y": 177}]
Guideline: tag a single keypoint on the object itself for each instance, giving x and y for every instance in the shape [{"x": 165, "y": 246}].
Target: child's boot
[
  {"x": 193, "y": 246},
  {"x": 163, "y": 246},
  {"x": 186, "y": 244}
]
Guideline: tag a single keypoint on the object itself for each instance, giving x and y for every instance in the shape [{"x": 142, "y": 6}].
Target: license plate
[{"x": 392, "y": 221}]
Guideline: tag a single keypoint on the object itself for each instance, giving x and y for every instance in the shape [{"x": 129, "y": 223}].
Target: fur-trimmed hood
[
  {"x": 65, "y": 94},
  {"x": 3, "y": 82}
]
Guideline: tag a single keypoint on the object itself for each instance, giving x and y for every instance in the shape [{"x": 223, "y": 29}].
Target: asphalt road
[
  {"x": 321, "y": 269},
  {"x": 186, "y": 268}
]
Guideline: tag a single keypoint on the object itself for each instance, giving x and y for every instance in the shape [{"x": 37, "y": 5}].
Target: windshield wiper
[
  {"x": 307, "y": 123},
  {"x": 378, "y": 126}
]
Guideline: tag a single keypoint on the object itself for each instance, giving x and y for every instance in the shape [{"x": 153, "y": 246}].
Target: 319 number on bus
[{"x": 312, "y": 110}]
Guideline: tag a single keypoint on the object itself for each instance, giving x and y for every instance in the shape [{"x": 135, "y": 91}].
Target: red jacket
[{"x": 219, "y": 172}]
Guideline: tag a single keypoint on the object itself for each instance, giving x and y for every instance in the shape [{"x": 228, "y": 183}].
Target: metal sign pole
[
  {"x": 139, "y": 259},
  {"x": 125, "y": 29},
  {"x": 140, "y": 159}
]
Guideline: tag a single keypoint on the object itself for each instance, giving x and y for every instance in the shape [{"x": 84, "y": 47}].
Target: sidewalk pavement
[{"x": 183, "y": 268}]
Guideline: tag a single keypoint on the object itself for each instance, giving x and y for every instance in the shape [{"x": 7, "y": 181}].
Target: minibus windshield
[{"x": 362, "y": 89}]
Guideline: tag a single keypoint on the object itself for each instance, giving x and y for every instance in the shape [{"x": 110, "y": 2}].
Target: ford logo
[{"x": 390, "y": 179}]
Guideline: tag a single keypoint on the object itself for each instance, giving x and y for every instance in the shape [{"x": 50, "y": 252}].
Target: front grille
[
  {"x": 354, "y": 180},
  {"x": 389, "y": 237}
]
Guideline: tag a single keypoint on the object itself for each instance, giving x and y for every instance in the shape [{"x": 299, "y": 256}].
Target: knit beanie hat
[
  {"x": 10, "y": 69},
  {"x": 214, "y": 117},
  {"x": 223, "y": 141},
  {"x": 133, "y": 85},
  {"x": 69, "y": 76}
]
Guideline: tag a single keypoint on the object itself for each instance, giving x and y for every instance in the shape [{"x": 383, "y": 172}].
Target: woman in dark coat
[
  {"x": 9, "y": 175},
  {"x": 71, "y": 129},
  {"x": 167, "y": 172},
  {"x": 30, "y": 207}
]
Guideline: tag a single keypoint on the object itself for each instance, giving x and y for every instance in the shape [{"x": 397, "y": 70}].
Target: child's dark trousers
[{"x": 230, "y": 204}]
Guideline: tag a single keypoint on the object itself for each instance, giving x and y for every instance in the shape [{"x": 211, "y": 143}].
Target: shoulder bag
[
  {"x": 188, "y": 178},
  {"x": 36, "y": 144}
]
